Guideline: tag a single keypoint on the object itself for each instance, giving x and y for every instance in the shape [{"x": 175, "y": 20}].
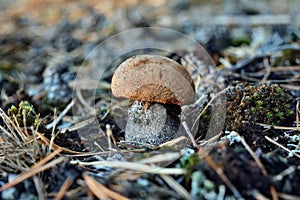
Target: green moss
[
  {"x": 280, "y": 115},
  {"x": 25, "y": 108},
  {"x": 291, "y": 55},
  {"x": 13, "y": 110},
  {"x": 25, "y": 113},
  {"x": 290, "y": 112},
  {"x": 269, "y": 115},
  {"x": 254, "y": 104},
  {"x": 241, "y": 41},
  {"x": 259, "y": 104},
  {"x": 189, "y": 161},
  {"x": 279, "y": 89},
  {"x": 7, "y": 66}
]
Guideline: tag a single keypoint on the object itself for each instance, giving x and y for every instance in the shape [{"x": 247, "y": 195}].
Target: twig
[
  {"x": 284, "y": 173},
  {"x": 133, "y": 166},
  {"x": 254, "y": 20},
  {"x": 30, "y": 173},
  {"x": 206, "y": 107},
  {"x": 288, "y": 196},
  {"x": 62, "y": 114},
  {"x": 258, "y": 162},
  {"x": 171, "y": 156},
  {"x": 246, "y": 61},
  {"x": 46, "y": 159},
  {"x": 297, "y": 115},
  {"x": 281, "y": 68},
  {"x": 268, "y": 126},
  {"x": 188, "y": 131},
  {"x": 100, "y": 190},
  {"x": 64, "y": 188},
  {"x": 81, "y": 124},
  {"x": 261, "y": 166},
  {"x": 220, "y": 172},
  {"x": 173, "y": 142},
  {"x": 40, "y": 187},
  {"x": 110, "y": 135},
  {"x": 53, "y": 135},
  {"x": 289, "y": 86},
  {"x": 211, "y": 140},
  {"x": 297, "y": 123},
  {"x": 87, "y": 107},
  {"x": 257, "y": 195},
  {"x": 176, "y": 186},
  {"x": 243, "y": 76},
  {"x": 43, "y": 140},
  {"x": 281, "y": 146},
  {"x": 268, "y": 70}
]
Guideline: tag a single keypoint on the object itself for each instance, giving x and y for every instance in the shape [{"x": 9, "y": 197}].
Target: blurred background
[{"x": 186, "y": 15}]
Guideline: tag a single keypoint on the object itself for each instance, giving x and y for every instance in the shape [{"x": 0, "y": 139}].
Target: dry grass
[{"x": 18, "y": 150}]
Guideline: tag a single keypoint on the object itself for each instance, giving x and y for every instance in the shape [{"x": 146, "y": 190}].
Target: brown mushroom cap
[{"x": 153, "y": 78}]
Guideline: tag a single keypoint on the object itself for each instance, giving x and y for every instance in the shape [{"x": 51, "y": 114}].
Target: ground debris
[{"x": 255, "y": 47}]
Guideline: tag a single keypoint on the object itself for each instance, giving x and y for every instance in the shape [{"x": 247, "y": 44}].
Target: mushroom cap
[{"x": 153, "y": 78}]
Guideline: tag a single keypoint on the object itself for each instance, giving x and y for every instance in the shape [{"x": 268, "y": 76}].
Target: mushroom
[{"x": 157, "y": 87}]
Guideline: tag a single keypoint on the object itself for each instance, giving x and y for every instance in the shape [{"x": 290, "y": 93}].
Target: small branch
[
  {"x": 268, "y": 70},
  {"x": 188, "y": 131},
  {"x": 62, "y": 114},
  {"x": 33, "y": 171},
  {"x": 64, "y": 188},
  {"x": 255, "y": 20},
  {"x": 281, "y": 146},
  {"x": 180, "y": 190},
  {"x": 101, "y": 191},
  {"x": 268, "y": 126},
  {"x": 133, "y": 166},
  {"x": 220, "y": 172},
  {"x": 258, "y": 162}
]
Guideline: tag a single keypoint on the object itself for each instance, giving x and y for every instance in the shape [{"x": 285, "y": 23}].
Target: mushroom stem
[{"x": 152, "y": 123}]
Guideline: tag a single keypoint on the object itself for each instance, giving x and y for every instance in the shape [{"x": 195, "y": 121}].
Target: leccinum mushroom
[{"x": 157, "y": 86}]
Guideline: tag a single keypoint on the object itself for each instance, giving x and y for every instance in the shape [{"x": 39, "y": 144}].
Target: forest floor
[{"x": 62, "y": 132}]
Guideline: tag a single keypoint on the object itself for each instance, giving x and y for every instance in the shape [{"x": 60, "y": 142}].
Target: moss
[
  {"x": 203, "y": 125},
  {"x": 241, "y": 41},
  {"x": 258, "y": 104},
  {"x": 189, "y": 161},
  {"x": 291, "y": 55},
  {"x": 25, "y": 113}
]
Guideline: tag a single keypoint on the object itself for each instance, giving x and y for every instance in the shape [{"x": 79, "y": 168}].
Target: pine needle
[
  {"x": 139, "y": 167},
  {"x": 100, "y": 191}
]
